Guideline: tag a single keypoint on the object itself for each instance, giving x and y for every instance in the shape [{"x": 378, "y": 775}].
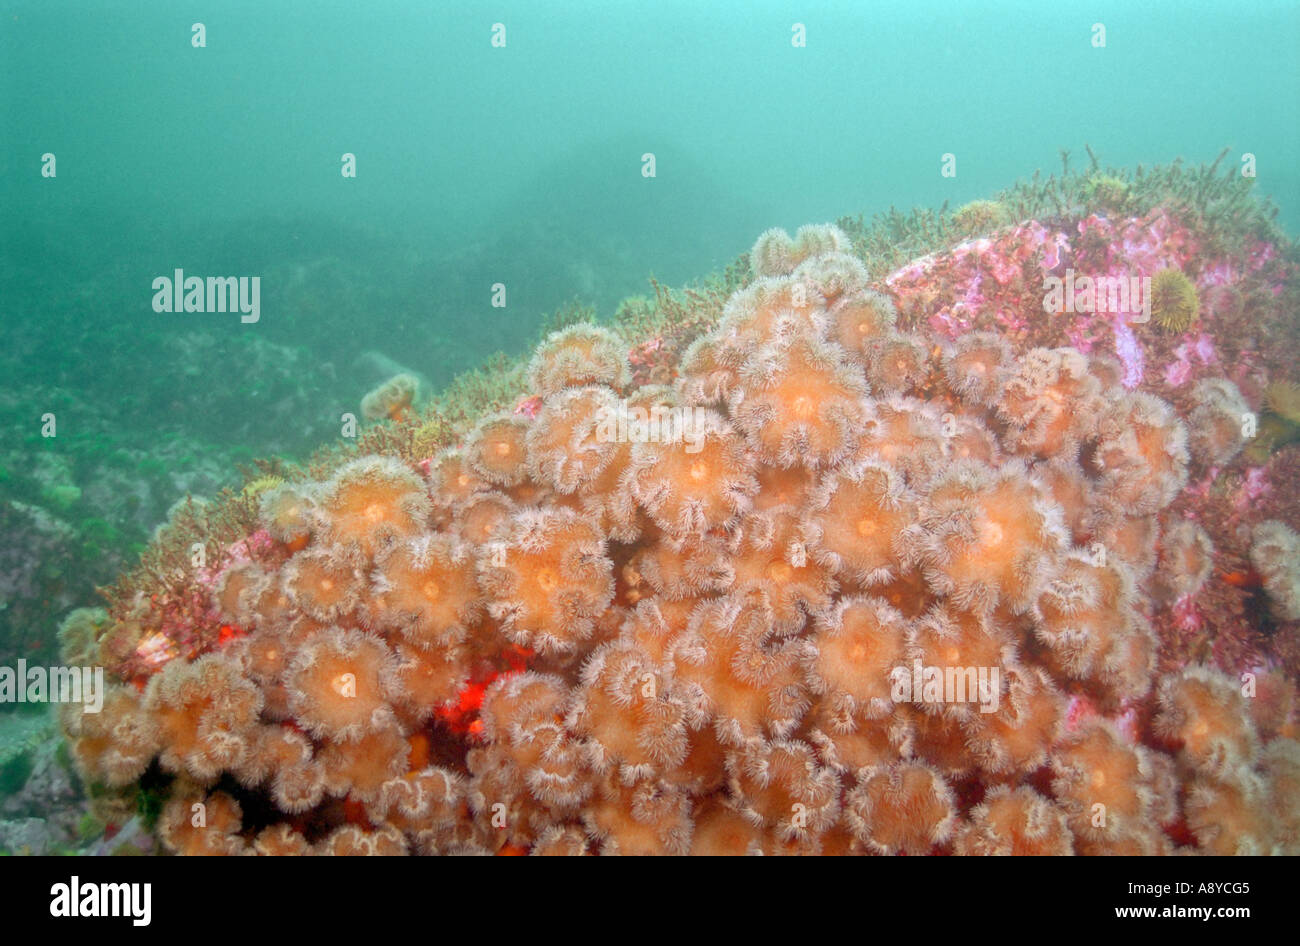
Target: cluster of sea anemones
[{"x": 850, "y": 592}]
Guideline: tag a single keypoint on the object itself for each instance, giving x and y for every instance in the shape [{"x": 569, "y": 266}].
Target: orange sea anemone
[
  {"x": 799, "y": 403},
  {"x": 116, "y": 744},
  {"x": 1229, "y": 816},
  {"x": 771, "y": 555},
  {"x": 781, "y": 785},
  {"x": 360, "y": 766},
  {"x": 904, "y": 808},
  {"x": 1204, "y": 712},
  {"x": 908, "y": 434},
  {"x": 1141, "y": 452},
  {"x": 992, "y": 536},
  {"x": 1050, "y": 402},
  {"x": 497, "y": 449},
  {"x": 326, "y": 584},
  {"x": 766, "y": 310},
  {"x": 192, "y": 823},
  {"x": 697, "y": 480},
  {"x": 547, "y": 579},
  {"x": 627, "y": 713},
  {"x": 1186, "y": 560},
  {"x": 897, "y": 363},
  {"x": 976, "y": 367},
  {"x": 371, "y": 502},
  {"x": 1018, "y": 822},
  {"x": 574, "y": 438},
  {"x": 340, "y": 684},
  {"x": 861, "y": 522},
  {"x": 453, "y": 482},
  {"x": 776, "y": 254},
  {"x": 578, "y": 356},
  {"x": 650, "y": 817},
  {"x": 732, "y": 674},
  {"x": 1109, "y": 789},
  {"x": 860, "y": 644},
  {"x": 860, "y": 318},
  {"x": 287, "y": 511},
  {"x": 206, "y": 712},
  {"x": 1217, "y": 424},
  {"x": 1275, "y": 553},
  {"x": 426, "y": 589}
]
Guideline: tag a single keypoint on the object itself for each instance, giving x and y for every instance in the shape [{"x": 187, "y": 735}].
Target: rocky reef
[{"x": 865, "y": 546}]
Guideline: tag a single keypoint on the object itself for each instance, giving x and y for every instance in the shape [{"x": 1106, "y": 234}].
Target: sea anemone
[
  {"x": 1018, "y": 822},
  {"x": 861, "y": 522},
  {"x": 1275, "y": 553},
  {"x": 799, "y": 403},
  {"x": 780, "y": 785},
  {"x": 1204, "y": 712},
  {"x": 453, "y": 482},
  {"x": 1141, "y": 453},
  {"x": 769, "y": 309},
  {"x": 627, "y": 713},
  {"x": 192, "y": 823},
  {"x": 776, "y": 254},
  {"x": 205, "y": 712},
  {"x": 992, "y": 536},
  {"x": 578, "y": 356},
  {"x": 897, "y": 363},
  {"x": 340, "y": 684},
  {"x": 287, "y": 511},
  {"x": 1228, "y": 814},
  {"x": 730, "y": 673},
  {"x": 391, "y": 400},
  {"x": 1216, "y": 424},
  {"x": 574, "y": 438},
  {"x": 426, "y": 589},
  {"x": 497, "y": 449},
  {"x": 860, "y": 318},
  {"x": 371, "y": 502},
  {"x": 770, "y": 555},
  {"x": 548, "y": 579},
  {"x": 903, "y": 808},
  {"x": 975, "y": 367},
  {"x": 359, "y": 767},
  {"x": 697, "y": 480},
  {"x": 1050, "y": 402},
  {"x": 859, "y": 646},
  {"x": 1108, "y": 789},
  {"x": 326, "y": 584},
  {"x": 1186, "y": 560}
]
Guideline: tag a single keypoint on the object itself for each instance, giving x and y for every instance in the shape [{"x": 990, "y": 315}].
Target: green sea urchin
[{"x": 1174, "y": 304}]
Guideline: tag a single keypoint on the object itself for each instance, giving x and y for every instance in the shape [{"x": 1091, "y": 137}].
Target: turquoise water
[
  {"x": 229, "y": 156},
  {"x": 521, "y": 164}
]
